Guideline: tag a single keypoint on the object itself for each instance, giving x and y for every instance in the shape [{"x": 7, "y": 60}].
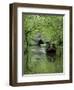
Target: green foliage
[
  {"x": 51, "y": 29},
  {"x": 50, "y": 26}
]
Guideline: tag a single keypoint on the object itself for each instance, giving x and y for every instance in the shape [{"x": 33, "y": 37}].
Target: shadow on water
[{"x": 39, "y": 62}]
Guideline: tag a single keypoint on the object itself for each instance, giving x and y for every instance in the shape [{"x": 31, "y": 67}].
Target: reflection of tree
[
  {"x": 27, "y": 33},
  {"x": 37, "y": 41}
]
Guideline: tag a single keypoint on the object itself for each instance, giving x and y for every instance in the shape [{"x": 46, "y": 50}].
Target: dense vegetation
[{"x": 50, "y": 29}]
